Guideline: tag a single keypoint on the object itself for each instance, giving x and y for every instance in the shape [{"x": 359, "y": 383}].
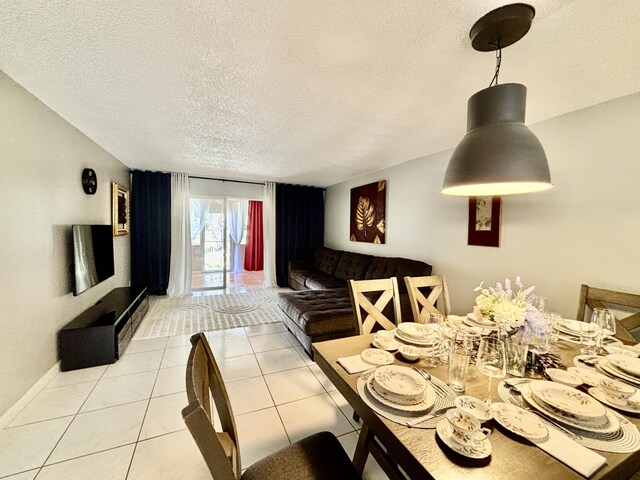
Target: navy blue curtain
[
  {"x": 299, "y": 225},
  {"x": 150, "y": 231}
]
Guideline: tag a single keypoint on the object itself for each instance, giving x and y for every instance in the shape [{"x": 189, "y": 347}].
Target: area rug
[{"x": 185, "y": 315}]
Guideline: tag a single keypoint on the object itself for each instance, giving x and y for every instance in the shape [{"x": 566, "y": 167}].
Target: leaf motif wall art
[{"x": 367, "y": 222}]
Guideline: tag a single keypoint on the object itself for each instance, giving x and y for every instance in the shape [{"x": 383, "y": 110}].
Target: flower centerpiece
[{"x": 510, "y": 309}]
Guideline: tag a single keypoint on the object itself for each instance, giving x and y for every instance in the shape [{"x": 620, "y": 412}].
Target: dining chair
[
  {"x": 627, "y": 327},
  {"x": 422, "y": 305},
  {"x": 362, "y": 290},
  {"x": 317, "y": 457}
]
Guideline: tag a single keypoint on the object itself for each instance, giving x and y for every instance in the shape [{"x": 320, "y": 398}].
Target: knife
[{"x": 437, "y": 413}]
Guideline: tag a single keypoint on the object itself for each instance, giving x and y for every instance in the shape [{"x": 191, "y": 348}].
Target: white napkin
[
  {"x": 354, "y": 364},
  {"x": 584, "y": 461}
]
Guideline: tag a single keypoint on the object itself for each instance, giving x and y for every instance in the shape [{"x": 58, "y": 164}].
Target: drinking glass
[
  {"x": 589, "y": 333},
  {"x": 491, "y": 361},
  {"x": 432, "y": 356},
  {"x": 458, "y": 363},
  {"x": 468, "y": 341},
  {"x": 538, "y": 343},
  {"x": 516, "y": 353},
  {"x": 553, "y": 320},
  {"x": 606, "y": 321}
]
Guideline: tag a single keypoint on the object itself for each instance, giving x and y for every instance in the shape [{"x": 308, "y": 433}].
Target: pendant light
[{"x": 499, "y": 155}]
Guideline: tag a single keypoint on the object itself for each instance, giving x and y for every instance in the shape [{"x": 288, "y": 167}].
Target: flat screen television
[{"x": 92, "y": 255}]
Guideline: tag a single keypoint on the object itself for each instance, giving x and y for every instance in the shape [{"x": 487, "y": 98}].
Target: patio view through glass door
[{"x": 208, "y": 243}]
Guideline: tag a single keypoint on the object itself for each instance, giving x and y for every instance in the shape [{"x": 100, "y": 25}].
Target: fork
[{"x": 427, "y": 376}]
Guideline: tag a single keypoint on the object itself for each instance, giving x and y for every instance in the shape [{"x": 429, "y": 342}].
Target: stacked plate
[
  {"x": 399, "y": 387},
  {"x": 418, "y": 334},
  {"x": 623, "y": 367},
  {"x": 473, "y": 321},
  {"x": 570, "y": 407}
]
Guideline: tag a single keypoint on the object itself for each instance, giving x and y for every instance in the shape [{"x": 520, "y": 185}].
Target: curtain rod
[{"x": 226, "y": 180}]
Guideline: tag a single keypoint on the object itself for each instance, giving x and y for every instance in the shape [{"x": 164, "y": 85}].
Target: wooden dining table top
[{"x": 422, "y": 455}]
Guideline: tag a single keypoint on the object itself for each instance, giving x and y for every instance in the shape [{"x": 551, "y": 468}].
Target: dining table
[{"x": 418, "y": 453}]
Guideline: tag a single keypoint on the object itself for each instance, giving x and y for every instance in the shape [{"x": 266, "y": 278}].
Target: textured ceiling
[{"x": 300, "y": 91}]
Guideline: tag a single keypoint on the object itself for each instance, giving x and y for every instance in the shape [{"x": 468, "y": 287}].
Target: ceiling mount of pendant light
[{"x": 499, "y": 155}]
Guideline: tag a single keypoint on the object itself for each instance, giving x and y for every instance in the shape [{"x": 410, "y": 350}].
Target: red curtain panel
[{"x": 254, "y": 252}]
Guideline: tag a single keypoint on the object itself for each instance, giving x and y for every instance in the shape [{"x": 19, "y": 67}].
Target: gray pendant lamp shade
[{"x": 499, "y": 155}]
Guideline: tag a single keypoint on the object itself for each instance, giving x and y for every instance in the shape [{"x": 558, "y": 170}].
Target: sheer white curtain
[
  {"x": 199, "y": 208},
  {"x": 237, "y": 218},
  {"x": 269, "y": 226},
  {"x": 180, "y": 264}
]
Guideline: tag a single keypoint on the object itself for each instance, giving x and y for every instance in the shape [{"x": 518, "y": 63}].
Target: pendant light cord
[{"x": 498, "y": 62}]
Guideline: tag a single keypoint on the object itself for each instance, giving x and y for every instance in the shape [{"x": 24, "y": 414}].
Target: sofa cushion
[
  {"x": 319, "y": 312},
  {"x": 386, "y": 267},
  {"x": 353, "y": 266},
  {"x": 326, "y": 260},
  {"x": 299, "y": 276},
  {"x": 322, "y": 281}
]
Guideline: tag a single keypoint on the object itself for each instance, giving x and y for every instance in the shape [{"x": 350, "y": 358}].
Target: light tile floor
[{"x": 123, "y": 421}]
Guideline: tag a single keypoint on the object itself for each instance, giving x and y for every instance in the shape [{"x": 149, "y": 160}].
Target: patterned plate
[
  {"x": 519, "y": 421},
  {"x": 426, "y": 341},
  {"x": 609, "y": 425},
  {"x": 399, "y": 380},
  {"x": 605, "y": 367},
  {"x": 599, "y": 394},
  {"x": 564, "y": 376},
  {"x": 588, "y": 376},
  {"x": 425, "y": 404},
  {"x": 479, "y": 449},
  {"x": 414, "y": 330},
  {"x": 569, "y": 326},
  {"x": 630, "y": 365},
  {"x": 375, "y": 356},
  {"x": 567, "y": 399}
]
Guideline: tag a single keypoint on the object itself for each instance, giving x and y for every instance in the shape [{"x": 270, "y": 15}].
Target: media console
[{"x": 102, "y": 332}]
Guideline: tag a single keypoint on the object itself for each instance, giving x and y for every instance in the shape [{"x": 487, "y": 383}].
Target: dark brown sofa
[{"x": 321, "y": 308}]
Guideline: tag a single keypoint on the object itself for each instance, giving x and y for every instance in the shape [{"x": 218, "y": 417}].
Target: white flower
[{"x": 509, "y": 309}]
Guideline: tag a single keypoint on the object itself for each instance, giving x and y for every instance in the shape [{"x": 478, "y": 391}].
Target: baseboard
[{"x": 17, "y": 407}]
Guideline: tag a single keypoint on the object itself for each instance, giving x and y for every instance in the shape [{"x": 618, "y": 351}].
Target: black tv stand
[{"x": 102, "y": 332}]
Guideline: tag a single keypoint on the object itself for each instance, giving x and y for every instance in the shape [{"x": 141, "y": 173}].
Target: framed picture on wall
[
  {"x": 367, "y": 222},
  {"x": 484, "y": 221},
  {"x": 120, "y": 210}
]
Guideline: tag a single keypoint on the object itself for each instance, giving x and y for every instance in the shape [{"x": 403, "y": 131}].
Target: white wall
[
  {"x": 41, "y": 160},
  {"x": 585, "y": 230}
]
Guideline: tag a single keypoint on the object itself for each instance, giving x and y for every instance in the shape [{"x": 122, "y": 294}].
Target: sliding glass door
[{"x": 208, "y": 242}]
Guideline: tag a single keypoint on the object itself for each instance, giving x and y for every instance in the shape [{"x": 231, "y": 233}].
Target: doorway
[{"x": 208, "y": 243}]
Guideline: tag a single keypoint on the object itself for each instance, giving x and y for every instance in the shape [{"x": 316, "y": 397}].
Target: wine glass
[
  {"x": 553, "y": 320},
  {"x": 606, "y": 321},
  {"x": 540, "y": 303},
  {"x": 435, "y": 321},
  {"x": 491, "y": 361}
]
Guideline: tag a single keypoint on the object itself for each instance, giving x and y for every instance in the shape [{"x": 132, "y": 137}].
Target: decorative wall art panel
[
  {"x": 368, "y": 212},
  {"x": 484, "y": 221}
]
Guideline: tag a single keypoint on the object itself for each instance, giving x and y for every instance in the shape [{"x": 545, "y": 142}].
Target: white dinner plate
[
  {"x": 393, "y": 346},
  {"x": 605, "y": 367},
  {"x": 471, "y": 323},
  {"x": 567, "y": 399},
  {"x": 598, "y": 394},
  {"x": 479, "y": 449},
  {"x": 570, "y": 326},
  {"x": 631, "y": 365},
  {"x": 588, "y": 376},
  {"x": 519, "y": 421},
  {"x": 375, "y": 356},
  {"x": 609, "y": 424},
  {"x": 480, "y": 321},
  {"x": 422, "y": 406},
  {"x": 564, "y": 377},
  {"x": 415, "y": 330},
  {"x": 427, "y": 341},
  {"x": 400, "y": 381}
]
